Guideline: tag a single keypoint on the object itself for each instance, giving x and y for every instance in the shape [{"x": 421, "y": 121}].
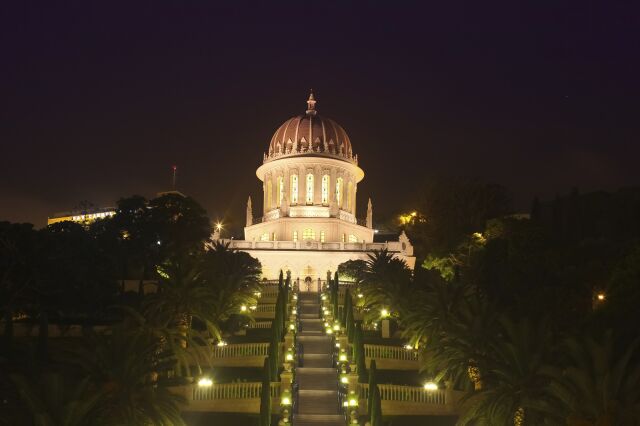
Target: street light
[
  {"x": 205, "y": 382},
  {"x": 431, "y": 386}
]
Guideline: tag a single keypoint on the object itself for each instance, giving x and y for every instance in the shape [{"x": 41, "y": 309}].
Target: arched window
[
  {"x": 353, "y": 238},
  {"x": 280, "y": 190},
  {"x": 295, "y": 235},
  {"x": 308, "y": 234},
  {"x": 310, "y": 188},
  {"x": 269, "y": 194},
  {"x": 264, "y": 237},
  {"x": 339, "y": 191},
  {"x": 322, "y": 236},
  {"x": 325, "y": 189},
  {"x": 294, "y": 189},
  {"x": 349, "y": 196}
]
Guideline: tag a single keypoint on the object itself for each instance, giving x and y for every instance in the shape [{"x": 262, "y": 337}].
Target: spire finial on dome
[{"x": 311, "y": 104}]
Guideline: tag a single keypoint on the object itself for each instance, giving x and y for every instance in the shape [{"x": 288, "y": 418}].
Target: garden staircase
[{"x": 316, "y": 377}]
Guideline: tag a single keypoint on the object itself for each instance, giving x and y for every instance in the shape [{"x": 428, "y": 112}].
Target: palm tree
[
  {"x": 516, "y": 383},
  {"x": 181, "y": 296},
  {"x": 385, "y": 282},
  {"x": 232, "y": 278},
  {"x": 17, "y": 253},
  {"x": 122, "y": 366},
  {"x": 598, "y": 385},
  {"x": 53, "y": 400},
  {"x": 431, "y": 308},
  {"x": 458, "y": 344}
]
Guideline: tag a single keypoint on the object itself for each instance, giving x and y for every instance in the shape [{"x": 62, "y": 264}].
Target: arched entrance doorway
[{"x": 308, "y": 282}]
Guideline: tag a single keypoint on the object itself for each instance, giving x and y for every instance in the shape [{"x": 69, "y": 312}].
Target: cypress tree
[
  {"x": 334, "y": 296},
  {"x": 373, "y": 383},
  {"x": 345, "y": 307},
  {"x": 352, "y": 326},
  {"x": 8, "y": 333},
  {"x": 265, "y": 395},
  {"x": 376, "y": 407},
  {"x": 274, "y": 352},
  {"x": 276, "y": 328},
  {"x": 43, "y": 338},
  {"x": 347, "y": 315},
  {"x": 358, "y": 354}
]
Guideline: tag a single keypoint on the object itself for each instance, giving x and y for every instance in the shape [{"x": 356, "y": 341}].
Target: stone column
[
  {"x": 355, "y": 191},
  {"x": 332, "y": 190},
  {"x": 287, "y": 191},
  {"x": 264, "y": 196},
  {"x": 448, "y": 395},
  {"x": 385, "y": 329},
  {"x": 317, "y": 186}
]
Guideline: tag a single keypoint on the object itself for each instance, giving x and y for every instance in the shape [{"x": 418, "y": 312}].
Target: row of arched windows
[
  {"x": 309, "y": 234},
  {"x": 309, "y": 188}
]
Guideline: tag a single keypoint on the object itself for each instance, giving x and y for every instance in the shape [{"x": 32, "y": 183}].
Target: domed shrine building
[{"x": 309, "y": 223}]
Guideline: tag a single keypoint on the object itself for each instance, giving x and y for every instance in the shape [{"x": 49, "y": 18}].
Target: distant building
[
  {"x": 309, "y": 225},
  {"x": 83, "y": 217}
]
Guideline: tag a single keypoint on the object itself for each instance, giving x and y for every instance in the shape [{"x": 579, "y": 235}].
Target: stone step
[
  {"x": 315, "y": 378},
  {"x": 308, "y": 316},
  {"x": 309, "y": 309},
  {"x": 318, "y": 419},
  {"x": 311, "y": 325},
  {"x": 303, "y": 295},
  {"x": 320, "y": 344},
  {"x": 317, "y": 360},
  {"x": 318, "y": 402}
]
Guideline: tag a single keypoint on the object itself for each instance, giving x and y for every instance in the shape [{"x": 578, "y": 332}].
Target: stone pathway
[{"x": 317, "y": 379}]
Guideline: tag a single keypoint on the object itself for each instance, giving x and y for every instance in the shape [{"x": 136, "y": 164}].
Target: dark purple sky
[{"x": 98, "y": 101}]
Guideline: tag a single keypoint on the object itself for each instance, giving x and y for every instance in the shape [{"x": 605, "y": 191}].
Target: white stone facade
[{"x": 309, "y": 224}]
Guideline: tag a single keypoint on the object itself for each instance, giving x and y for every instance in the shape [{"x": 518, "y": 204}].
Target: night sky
[{"x": 99, "y": 101}]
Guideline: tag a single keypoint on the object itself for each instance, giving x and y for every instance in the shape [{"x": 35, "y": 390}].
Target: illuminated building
[
  {"x": 83, "y": 217},
  {"x": 309, "y": 226}
]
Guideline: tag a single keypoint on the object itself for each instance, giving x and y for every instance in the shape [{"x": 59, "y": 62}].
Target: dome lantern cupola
[{"x": 311, "y": 104}]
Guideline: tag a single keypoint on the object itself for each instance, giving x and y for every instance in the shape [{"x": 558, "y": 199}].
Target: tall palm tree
[
  {"x": 181, "y": 296},
  {"x": 385, "y": 282},
  {"x": 516, "y": 383},
  {"x": 598, "y": 385},
  {"x": 431, "y": 308},
  {"x": 53, "y": 400},
  {"x": 122, "y": 367},
  {"x": 457, "y": 347},
  {"x": 232, "y": 278}
]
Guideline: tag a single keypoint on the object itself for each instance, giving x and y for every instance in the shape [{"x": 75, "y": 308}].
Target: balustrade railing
[
  {"x": 390, "y": 352},
  {"x": 269, "y": 292},
  {"x": 246, "y": 390},
  {"x": 260, "y": 324},
  {"x": 240, "y": 350},
  {"x": 266, "y": 307},
  {"x": 415, "y": 394}
]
